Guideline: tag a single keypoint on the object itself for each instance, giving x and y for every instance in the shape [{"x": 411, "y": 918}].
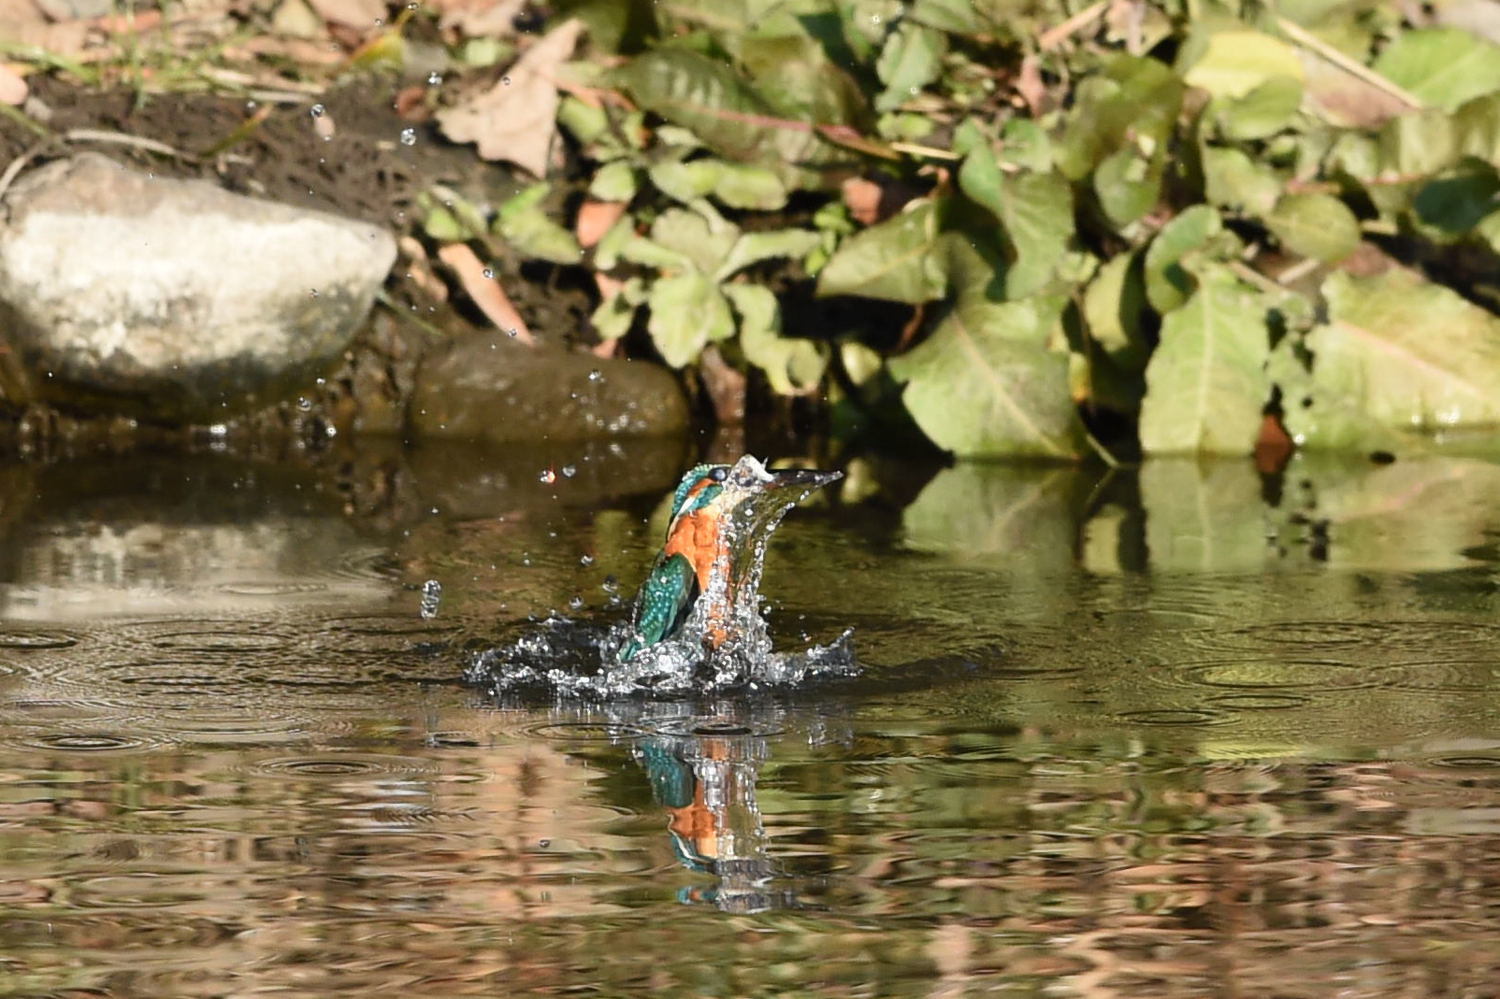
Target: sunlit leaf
[
  {"x": 791, "y": 365},
  {"x": 614, "y": 182},
  {"x": 1262, "y": 112},
  {"x": 753, "y": 247},
  {"x": 1234, "y": 63},
  {"x": 1114, "y": 304},
  {"x": 1206, "y": 384},
  {"x": 686, "y": 182},
  {"x": 694, "y": 237},
  {"x": 985, "y": 384},
  {"x": 909, "y": 60},
  {"x": 687, "y": 313},
  {"x": 893, "y": 260},
  {"x": 1315, "y": 225},
  {"x": 1398, "y": 354},
  {"x": 1035, "y": 210},
  {"x": 1442, "y": 66},
  {"x": 1231, "y": 179},
  {"x": 742, "y": 185},
  {"x": 1168, "y": 283}
]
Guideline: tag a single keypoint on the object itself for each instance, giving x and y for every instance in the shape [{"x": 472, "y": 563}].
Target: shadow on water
[{"x": 1179, "y": 731}]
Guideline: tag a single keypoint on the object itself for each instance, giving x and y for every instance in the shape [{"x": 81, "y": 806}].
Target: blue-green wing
[{"x": 663, "y": 599}]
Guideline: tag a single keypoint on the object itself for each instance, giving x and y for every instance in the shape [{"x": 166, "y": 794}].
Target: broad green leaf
[
  {"x": 450, "y": 218},
  {"x": 612, "y": 244},
  {"x": 1168, "y": 283},
  {"x": 694, "y": 237},
  {"x": 1476, "y": 128},
  {"x": 792, "y": 366},
  {"x": 1488, "y": 230},
  {"x": 1025, "y": 144},
  {"x": 798, "y": 79},
  {"x": 1233, "y": 63},
  {"x": 1420, "y": 142},
  {"x": 1035, "y": 210},
  {"x": 1315, "y": 225},
  {"x": 893, "y": 260},
  {"x": 1133, "y": 103},
  {"x": 753, "y": 247},
  {"x": 1114, "y": 304},
  {"x": 1398, "y": 353},
  {"x": 1203, "y": 516},
  {"x": 985, "y": 385},
  {"x": 584, "y": 121},
  {"x": 613, "y": 318},
  {"x": 687, "y": 312},
  {"x": 1206, "y": 384},
  {"x": 957, "y": 16},
  {"x": 614, "y": 182},
  {"x": 741, "y": 185},
  {"x": 1264, "y": 111},
  {"x": 910, "y": 59},
  {"x": 1234, "y": 181},
  {"x": 535, "y": 235},
  {"x": 686, "y": 182},
  {"x": 1128, "y": 185},
  {"x": 1442, "y": 66},
  {"x": 708, "y": 97},
  {"x": 1452, "y": 204},
  {"x": 648, "y": 253}
]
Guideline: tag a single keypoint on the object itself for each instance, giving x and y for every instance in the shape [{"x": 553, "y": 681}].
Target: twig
[
  {"x": 25, "y": 121},
  {"x": 1055, "y": 36},
  {"x": 1102, "y": 452},
  {"x": 931, "y": 152},
  {"x": 1307, "y": 39},
  {"x": 20, "y": 163},
  {"x": 121, "y": 139}
]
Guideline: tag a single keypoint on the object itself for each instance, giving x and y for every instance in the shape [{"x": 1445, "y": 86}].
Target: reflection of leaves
[
  {"x": 1399, "y": 353},
  {"x": 1421, "y": 514},
  {"x": 1203, "y": 516},
  {"x": 985, "y": 384},
  {"x": 1206, "y": 383},
  {"x": 973, "y": 510},
  {"x": 893, "y": 260}
]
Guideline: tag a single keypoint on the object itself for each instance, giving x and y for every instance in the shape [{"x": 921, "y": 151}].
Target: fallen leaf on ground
[
  {"x": 421, "y": 273},
  {"x": 359, "y": 14},
  {"x": 516, "y": 119},
  {"x": 12, "y": 87},
  {"x": 478, "y": 18},
  {"x": 485, "y": 290},
  {"x": 595, "y": 219}
]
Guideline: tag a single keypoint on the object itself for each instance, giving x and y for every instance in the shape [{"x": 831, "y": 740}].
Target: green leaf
[
  {"x": 957, "y": 16},
  {"x": 1261, "y": 113},
  {"x": 614, "y": 182},
  {"x": 648, "y": 253},
  {"x": 1206, "y": 384},
  {"x": 792, "y": 366},
  {"x": 1441, "y": 66},
  {"x": 910, "y": 59},
  {"x": 893, "y": 260},
  {"x": 741, "y": 185},
  {"x": 613, "y": 318},
  {"x": 612, "y": 244},
  {"x": 1025, "y": 144},
  {"x": 1233, "y": 63},
  {"x": 534, "y": 235},
  {"x": 1398, "y": 354},
  {"x": 686, "y": 182},
  {"x": 687, "y": 312},
  {"x": 584, "y": 121},
  {"x": 1168, "y": 283},
  {"x": 985, "y": 385},
  {"x": 1315, "y": 225},
  {"x": 1036, "y": 212},
  {"x": 1454, "y": 203},
  {"x": 694, "y": 237},
  {"x": 799, "y": 79},
  {"x": 1234, "y": 181},
  {"x": 1114, "y": 304},
  {"x": 1128, "y": 185},
  {"x": 753, "y": 247},
  {"x": 1132, "y": 104}
]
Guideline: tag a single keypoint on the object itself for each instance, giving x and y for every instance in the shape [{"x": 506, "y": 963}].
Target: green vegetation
[{"x": 1172, "y": 217}]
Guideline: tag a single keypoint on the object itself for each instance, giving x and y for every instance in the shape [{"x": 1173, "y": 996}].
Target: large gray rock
[
  {"x": 491, "y": 387},
  {"x": 172, "y": 300}
]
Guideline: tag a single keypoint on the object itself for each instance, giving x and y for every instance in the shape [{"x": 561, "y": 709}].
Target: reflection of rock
[
  {"x": 173, "y": 300},
  {"x": 488, "y": 386},
  {"x": 172, "y": 536}
]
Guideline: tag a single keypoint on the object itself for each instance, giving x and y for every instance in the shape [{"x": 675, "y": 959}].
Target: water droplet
[
  {"x": 408, "y": 137},
  {"x": 575, "y": 602},
  {"x": 304, "y": 403},
  {"x": 547, "y": 475},
  {"x": 874, "y": 18},
  {"x": 432, "y": 595},
  {"x": 512, "y": 332},
  {"x": 610, "y": 584},
  {"x": 569, "y": 471},
  {"x": 251, "y": 105},
  {"x": 586, "y": 560},
  {"x": 434, "y": 78},
  {"x": 489, "y": 272},
  {"x": 314, "y": 292},
  {"x": 317, "y": 110},
  {"x": 505, "y": 80},
  {"x": 596, "y": 375}
]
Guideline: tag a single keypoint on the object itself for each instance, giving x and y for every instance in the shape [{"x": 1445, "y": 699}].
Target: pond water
[{"x": 1181, "y": 731}]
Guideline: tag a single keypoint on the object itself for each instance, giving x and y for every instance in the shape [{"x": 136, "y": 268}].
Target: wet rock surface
[
  {"x": 172, "y": 300},
  {"x": 489, "y": 387}
]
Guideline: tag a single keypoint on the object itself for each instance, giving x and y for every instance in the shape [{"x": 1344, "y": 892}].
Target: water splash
[{"x": 724, "y": 644}]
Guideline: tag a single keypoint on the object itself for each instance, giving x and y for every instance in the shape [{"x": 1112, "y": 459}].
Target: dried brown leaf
[
  {"x": 362, "y": 15},
  {"x": 13, "y": 88},
  {"x": 485, "y": 291},
  {"x": 476, "y": 18},
  {"x": 515, "y": 120},
  {"x": 420, "y": 269},
  {"x": 595, "y": 219}
]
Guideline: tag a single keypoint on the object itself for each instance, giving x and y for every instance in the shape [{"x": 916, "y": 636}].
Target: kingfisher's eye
[{"x": 719, "y": 474}]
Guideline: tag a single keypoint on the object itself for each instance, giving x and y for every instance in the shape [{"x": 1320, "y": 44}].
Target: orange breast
[{"x": 697, "y": 540}]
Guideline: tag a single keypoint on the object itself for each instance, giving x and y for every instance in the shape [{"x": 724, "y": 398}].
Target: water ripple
[
  {"x": 341, "y": 766},
  {"x": 26, "y": 640}
]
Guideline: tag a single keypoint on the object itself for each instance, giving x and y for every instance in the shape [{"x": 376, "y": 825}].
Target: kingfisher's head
[{"x": 715, "y": 491}]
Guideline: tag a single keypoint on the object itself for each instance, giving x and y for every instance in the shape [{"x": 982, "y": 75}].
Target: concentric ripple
[
  {"x": 1262, "y": 675},
  {"x": 341, "y": 766},
  {"x": 28, "y": 640}
]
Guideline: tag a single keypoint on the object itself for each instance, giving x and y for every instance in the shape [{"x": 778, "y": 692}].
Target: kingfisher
[{"x": 721, "y": 516}]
